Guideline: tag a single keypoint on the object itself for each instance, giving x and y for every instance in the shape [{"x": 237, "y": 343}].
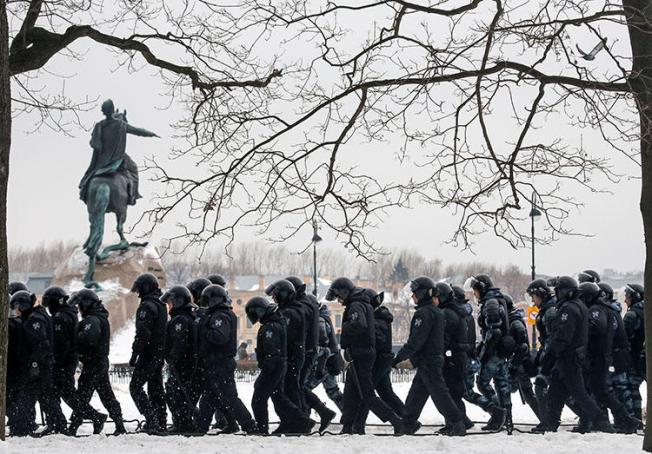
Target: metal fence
[{"x": 122, "y": 375}]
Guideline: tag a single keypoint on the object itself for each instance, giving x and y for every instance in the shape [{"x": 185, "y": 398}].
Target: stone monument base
[{"x": 115, "y": 275}]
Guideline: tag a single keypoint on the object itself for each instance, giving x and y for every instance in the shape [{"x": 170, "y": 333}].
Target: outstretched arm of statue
[{"x": 140, "y": 131}]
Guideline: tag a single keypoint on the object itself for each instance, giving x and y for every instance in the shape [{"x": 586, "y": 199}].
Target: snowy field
[{"x": 564, "y": 442}]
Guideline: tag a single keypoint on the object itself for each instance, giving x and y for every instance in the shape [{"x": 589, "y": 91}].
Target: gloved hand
[
  {"x": 34, "y": 371},
  {"x": 396, "y": 361},
  {"x": 347, "y": 355},
  {"x": 133, "y": 359},
  {"x": 541, "y": 380}
]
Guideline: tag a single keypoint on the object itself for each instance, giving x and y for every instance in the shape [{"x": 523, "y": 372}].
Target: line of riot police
[{"x": 589, "y": 357}]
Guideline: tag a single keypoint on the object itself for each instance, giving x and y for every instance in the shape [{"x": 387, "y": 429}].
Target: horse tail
[{"x": 99, "y": 202}]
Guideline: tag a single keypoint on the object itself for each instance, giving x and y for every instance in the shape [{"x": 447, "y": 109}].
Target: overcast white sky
[{"x": 46, "y": 167}]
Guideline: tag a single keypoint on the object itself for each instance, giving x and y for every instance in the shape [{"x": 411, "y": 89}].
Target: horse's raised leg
[
  {"x": 97, "y": 204},
  {"x": 123, "y": 245}
]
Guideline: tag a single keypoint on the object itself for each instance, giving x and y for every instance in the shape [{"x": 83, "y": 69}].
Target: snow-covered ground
[{"x": 563, "y": 442}]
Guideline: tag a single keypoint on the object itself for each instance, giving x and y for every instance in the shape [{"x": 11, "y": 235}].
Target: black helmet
[
  {"x": 14, "y": 287},
  {"x": 634, "y": 292},
  {"x": 566, "y": 288},
  {"x": 54, "y": 297},
  {"x": 607, "y": 290},
  {"x": 340, "y": 288},
  {"x": 540, "y": 288},
  {"x": 217, "y": 279},
  {"x": 444, "y": 292},
  {"x": 145, "y": 284},
  {"x": 423, "y": 287},
  {"x": 178, "y": 296},
  {"x": 282, "y": 291},
  {"x": 258, "y": 307},
  {"x": 22, "y": 300},
  {"x": 588, "y": 276},
  {"x": 481, "y": 283},
  {"x": 85, "y": 300},
  {"x": 459, "y": 294},
  {"x": 589, "y": 292},
  {"x": 215, "y": 295},
  {"x": 196, "y": 287},
  {"x": 509, "y": 302},
  {"x": 375, "y": 298},
  {"x": 299, "y": 285}
]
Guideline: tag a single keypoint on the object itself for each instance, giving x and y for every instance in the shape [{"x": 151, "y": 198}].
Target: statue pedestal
[{"x": 116, "y": 276}]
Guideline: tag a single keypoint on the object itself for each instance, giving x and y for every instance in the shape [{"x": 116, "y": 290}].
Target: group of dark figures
[{"x": 589, "y": 357}]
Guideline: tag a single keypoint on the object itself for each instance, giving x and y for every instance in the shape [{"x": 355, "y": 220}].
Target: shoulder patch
[
  {"x": 564, "y": 317},
  {"x": 354, "y": 316},
  {"x": 87, "y": 327},
  {"x": 595, "y": 314},
  {"x": 269, "y": 334},
  {"x": 142, "y": 314},
  {"x": 218, "y": 323},
  {"x": 36, "y": 325},
  {"x": 417, "y": 322},
  {"x": 177, "y": 327}
]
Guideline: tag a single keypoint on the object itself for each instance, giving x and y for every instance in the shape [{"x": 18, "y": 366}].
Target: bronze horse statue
[{"x": 110, "y": 184}]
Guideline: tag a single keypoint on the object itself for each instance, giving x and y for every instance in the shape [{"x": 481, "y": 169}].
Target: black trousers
[
  {"x": 381, "y": 374},
  {"x": 598, "y": 384},
  {"x": 269, "y": 384},
  {"x": 95, "y": 377},
  {"x": 292, "y": 384},
  {"x": 179, "y": 397},
  {"x": 359, "y": 391},
  {"x": 429, "y": 382},
  {"x": 39, "y": 389},
  {"x": 566, "y": 381},
  {"x": 454, "y": 373},
  {"x": 150, "y": 404},
  {"x": 64, "y": 389},
  {"x": 221, "y": 392}
]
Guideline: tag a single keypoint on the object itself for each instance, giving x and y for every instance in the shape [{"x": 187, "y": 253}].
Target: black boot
[
  {"x": 468, "y": 424},
  {"x": 456, "y": 429},
  {"x": 98, "y": 423},
  {"x": 326, "y": 417},
  {"x": 410, "y": 428},
  {"x": 603, "y": 425},
  {"x": 496, "y": 420},
  {"x": 583, "y": 427}
]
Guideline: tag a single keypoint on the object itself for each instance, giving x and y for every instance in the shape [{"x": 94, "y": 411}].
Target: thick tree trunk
[
  {"x": 5, "y": 142},
  {"x": 639, "y": 21}
]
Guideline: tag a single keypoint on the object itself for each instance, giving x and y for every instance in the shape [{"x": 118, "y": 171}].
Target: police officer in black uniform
[
  {"x": 216, "y": 279},
  {"x": 180, "y": 357},
  {"x": 310, "y": 308},
  {"x": 382, "y": 369},
  {"x": 456, "y": 347},
  {"x": 93, "y": 339},
  {"x": 358, "y": 339},
  {"x": 329, "y": 362},
  {"x": 15, "y": 359},
  {"x": 634, "y": 321},
  {"x": 621, "y": 356},
  {"x": 588, "y": 276},
  {"x": 602, "y": 329},
  {"x": 271, "y": 354},
  {"x": 425, "y": 350},
  {"x": 64, "y": 320},
  {"x": 38, "y": 337},
  {"x": 497, "y": 345},
  {"x": 218, "y": 343},
  {"x": 520, "y": 363},
  {"x": 147, "y": 354},
  {"x": 563, "y": 359},
  {"x": 284, "y": 295}
]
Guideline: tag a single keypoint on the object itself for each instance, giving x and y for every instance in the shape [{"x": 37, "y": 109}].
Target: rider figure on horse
[{"x": 109, "y": 140}]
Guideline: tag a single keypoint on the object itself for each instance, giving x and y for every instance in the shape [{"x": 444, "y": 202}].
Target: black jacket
[
  {"x": 218, "y": 334},
  {"x": 425, "y": 346},
  {"x": 358, "y": 327},
  {"x": 271, "y": 342},
  {"x": 622, "y": 358},
  {"x": 94, "y": 337},
  {"x": 635, "y": 327},
  {"x": 311, "y": 318},
  {"x": 602, "y": 325},
  {"x": 180, "y": 338},
  {"x": 383, "y": 319},
  {"x": 456, "y": 336},
  {"x": 544, "y": 323},
  {"x": 294, "y": 314},
  {"x": 15, "y": 348},
  {"x": 518, "y": 331},
  {"x": 64, "y": 322},
  {"x": 151, "y": 322},
  {"x": 38, "y": 335},
  {"x": 570, "y": 331}
]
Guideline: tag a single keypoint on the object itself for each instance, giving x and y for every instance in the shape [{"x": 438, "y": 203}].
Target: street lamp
[
  {"x": 534, "y": 215},
  {"x": 315, "y": 239}
]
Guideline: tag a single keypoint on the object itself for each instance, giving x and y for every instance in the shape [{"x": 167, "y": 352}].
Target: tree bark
[
  {"x": 639, "y": 22},
  {"x": 5, "y": 143}
]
